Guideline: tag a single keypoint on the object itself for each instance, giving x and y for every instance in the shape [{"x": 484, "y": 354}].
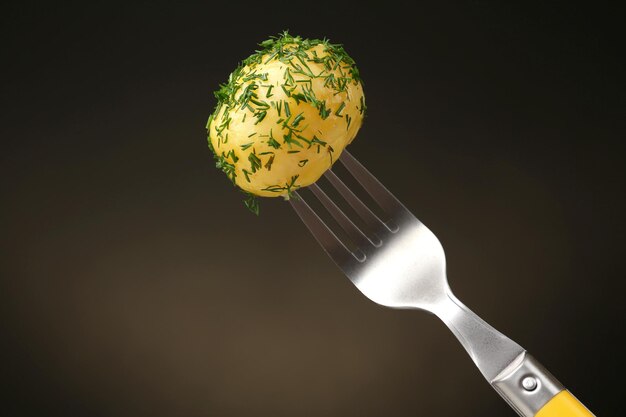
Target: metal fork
[{"x": 400, "y": 263}]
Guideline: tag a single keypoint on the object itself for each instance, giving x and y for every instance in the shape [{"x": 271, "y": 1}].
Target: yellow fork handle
[{"x": 564, "y": 404}]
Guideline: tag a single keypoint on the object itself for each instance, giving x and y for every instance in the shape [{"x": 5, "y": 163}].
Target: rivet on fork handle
[{"x": 526, "y": 385}]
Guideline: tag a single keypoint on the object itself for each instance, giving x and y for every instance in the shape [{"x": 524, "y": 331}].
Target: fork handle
[
  {"x": 518, "y": 377},
  {"x": 533, "y": 392},
  {"x": 564, "y": 404}
]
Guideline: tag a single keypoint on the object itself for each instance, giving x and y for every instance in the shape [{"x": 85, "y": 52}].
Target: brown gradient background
[{"x": 134, "y": 283}]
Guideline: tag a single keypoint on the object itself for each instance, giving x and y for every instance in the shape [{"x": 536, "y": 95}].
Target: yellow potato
[{"x": 285, "y": 115}]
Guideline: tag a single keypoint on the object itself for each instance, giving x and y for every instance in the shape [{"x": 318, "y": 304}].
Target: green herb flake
[
  {"x": 338, "y": 112},
  {"x": 273, "y": 142},
  {"x": 363, "y": 107},
  {"x": 260, "y": 115},
  {"x": 297, "y": 120},
  {"x": 252, "y": 203},
  {"x": 268, "y": 164},
  {"x": 287, "y": 110},
  {"x": 323, "y": 111},
  {"x": 255, "y": 162}
]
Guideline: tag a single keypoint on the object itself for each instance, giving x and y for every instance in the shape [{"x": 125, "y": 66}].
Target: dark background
[{"x": 135, "y": 283}]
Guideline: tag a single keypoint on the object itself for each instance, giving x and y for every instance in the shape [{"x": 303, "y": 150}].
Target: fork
[{"x": 400, "y": 263}]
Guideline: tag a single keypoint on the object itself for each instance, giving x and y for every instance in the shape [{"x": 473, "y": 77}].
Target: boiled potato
[{"x": 285, "y": 115}]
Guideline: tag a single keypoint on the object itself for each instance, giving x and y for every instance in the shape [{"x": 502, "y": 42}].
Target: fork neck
[{"x": 490, "y": 350}]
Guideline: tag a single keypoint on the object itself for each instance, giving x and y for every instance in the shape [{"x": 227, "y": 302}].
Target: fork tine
[
  {"x": 351, "y": 229},
  {"x": 379, "y": 193},
  {"x": 322, "y": 233},
  {"x": 363, "y": 211}
]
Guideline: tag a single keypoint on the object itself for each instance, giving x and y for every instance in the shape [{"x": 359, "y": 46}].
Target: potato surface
[{"x": 285, "y": 115}]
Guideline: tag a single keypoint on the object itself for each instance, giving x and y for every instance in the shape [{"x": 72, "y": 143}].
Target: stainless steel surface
[
  {"x": 400, "y": 263},
  {"x": 511, "y": 385}
]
